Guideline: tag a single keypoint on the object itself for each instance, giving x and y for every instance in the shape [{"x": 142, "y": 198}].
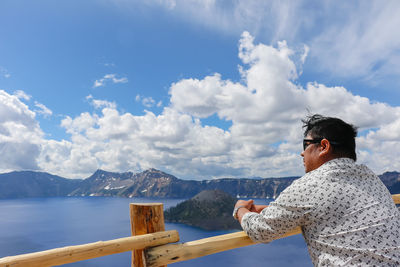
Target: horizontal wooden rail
[
  {"x": 171, "y": 253},
  {"x": 166, "y": 254},
  {"x": 396, "y": 198},
  {"x": 71, "y": 254}
]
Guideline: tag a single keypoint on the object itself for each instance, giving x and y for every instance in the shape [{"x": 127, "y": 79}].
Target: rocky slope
[{"x": 155, "y": 183}]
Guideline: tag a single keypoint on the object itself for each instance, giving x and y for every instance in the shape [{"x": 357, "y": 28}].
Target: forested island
[{"x": 209, "y": 210}]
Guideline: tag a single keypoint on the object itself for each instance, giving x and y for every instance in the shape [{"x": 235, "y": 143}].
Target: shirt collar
[{"x": 338, "y": 161}]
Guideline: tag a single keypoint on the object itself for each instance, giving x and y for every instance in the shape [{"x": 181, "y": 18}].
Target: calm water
[{"x": 29, "y": 225}]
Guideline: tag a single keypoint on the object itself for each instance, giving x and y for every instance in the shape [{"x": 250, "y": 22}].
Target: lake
[{"x": 36, "y": 224}]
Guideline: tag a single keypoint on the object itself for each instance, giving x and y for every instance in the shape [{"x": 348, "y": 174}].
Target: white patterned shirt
[{"x": 347, "y": 216}]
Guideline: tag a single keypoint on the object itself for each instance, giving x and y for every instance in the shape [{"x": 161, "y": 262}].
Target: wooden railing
[
  {"x": 150, "y": 244},
  {"x": 71, "y": 254}
]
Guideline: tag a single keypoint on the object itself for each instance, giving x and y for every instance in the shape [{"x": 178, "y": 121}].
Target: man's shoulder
[
  {"x": 332, "y": 169},
  {"x": 326, "y": 176},
  {"x": 341, "y": 166},
  {"x": 344, "y": 166}
]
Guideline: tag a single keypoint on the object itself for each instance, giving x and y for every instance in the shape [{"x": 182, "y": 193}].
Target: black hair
[{"x": 340, "y": 134}]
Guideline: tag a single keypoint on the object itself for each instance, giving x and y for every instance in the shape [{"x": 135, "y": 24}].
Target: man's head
[{"x": 326, "y": 138}]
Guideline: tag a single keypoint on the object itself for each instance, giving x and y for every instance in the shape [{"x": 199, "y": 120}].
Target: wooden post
[{"x": 145, "y": 218}]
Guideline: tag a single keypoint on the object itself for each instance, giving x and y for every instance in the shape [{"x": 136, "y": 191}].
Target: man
[{"x": 346, "y": 213}]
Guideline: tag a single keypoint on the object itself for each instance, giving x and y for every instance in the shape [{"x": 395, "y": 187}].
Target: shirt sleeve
[{"x": 280, "y": 217}]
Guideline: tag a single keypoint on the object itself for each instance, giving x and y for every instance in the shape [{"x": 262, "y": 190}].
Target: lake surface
[{"x": 36, "y": 224}]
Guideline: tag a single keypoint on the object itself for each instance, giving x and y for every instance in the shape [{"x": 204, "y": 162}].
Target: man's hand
[
  {"x": 247, "y": 203},
  {"x": 247, "y": 206},
  {"x": 258, "y": 208}
]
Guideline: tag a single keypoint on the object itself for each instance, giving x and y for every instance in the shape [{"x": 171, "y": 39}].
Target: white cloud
[
  {"x": 109, "y": 78},
  {"x": 103, "y": 103},
  {"x": 265, "y": 137},
  {"x": 99, "y": 104},
  {"x": 147, "y": 101},
  {"x": 43, "y": 110},
  {"x": 79, "y": 124},
  {"x": 119, "y": 142},
  {"x": 20, "y": 135},
  {"x": 98, "y": 83},
  {"x": 22, "y": 95}
]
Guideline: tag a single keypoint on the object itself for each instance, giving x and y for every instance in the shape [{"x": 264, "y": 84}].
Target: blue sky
[{"x": 199, "y": 89}]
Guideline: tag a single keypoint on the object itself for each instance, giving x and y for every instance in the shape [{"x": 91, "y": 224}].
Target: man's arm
[
  {"x": 290, "y": 210},
  {"x": 274, "y": 221}
]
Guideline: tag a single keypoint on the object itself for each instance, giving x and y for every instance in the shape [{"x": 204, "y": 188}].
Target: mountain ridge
[{"x": 149, "y": 183}]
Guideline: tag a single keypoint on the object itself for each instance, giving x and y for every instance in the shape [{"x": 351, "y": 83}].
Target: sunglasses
[{"x": 307, "y": 142}]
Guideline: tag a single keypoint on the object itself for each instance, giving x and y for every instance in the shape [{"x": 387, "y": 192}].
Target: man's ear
[{"x": 325, "y": 147}]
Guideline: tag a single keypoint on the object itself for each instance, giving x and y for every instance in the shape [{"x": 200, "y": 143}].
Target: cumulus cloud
[
  {"x": 20, "y": 134},
  {"x": 109, "y": 78},
  {"x": 268, "y": 107},
  {"x": 264, "y": 108},
  {"x": 121, "y": 142}
]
